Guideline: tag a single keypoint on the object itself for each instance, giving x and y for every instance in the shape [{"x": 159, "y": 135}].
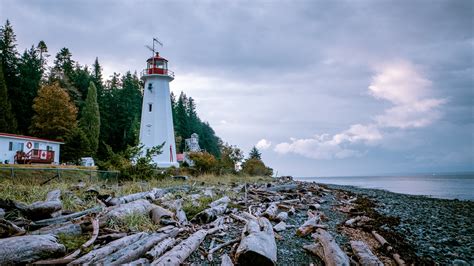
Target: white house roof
[{"x": 14, "y": 136}]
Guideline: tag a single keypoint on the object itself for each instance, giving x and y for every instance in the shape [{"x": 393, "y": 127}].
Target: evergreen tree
[
  {"x": 90, "y": 118},
  {"x": 43, "y": 52},
  {"x": 81, "y": 79},
  {"x": 9, "y": 58},
  {"x": 7, "y": 120},
  {"x": 255, "y": 154},
  {"x": 96, "y": 77},
  {"x": 55, "y": 114},
  {"x": 31, "y": 73},
  {"x": 75, "y": 147},
  {"x": 63, "y": 72}
]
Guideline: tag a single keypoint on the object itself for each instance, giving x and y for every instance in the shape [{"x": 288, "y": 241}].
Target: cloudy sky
[{"x": 321, "y": 87}]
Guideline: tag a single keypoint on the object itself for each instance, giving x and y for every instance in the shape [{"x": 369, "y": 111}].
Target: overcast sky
[{"x": 321, "y": 87}]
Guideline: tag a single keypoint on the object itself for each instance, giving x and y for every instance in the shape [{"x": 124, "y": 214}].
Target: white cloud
[
  {"x": 399, "y": 83},
  {"x": 263, "y": 144}
]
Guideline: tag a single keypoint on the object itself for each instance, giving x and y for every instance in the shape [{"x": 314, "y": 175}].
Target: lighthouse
[{"x": 156, "y": 125}]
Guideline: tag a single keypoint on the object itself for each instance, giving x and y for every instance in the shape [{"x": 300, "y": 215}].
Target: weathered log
[
  {"x": 357, "y": 221},
  {"x": 67, "y": 228},
  {"x": 216, "y": 248},
  {"x": 179, "y": 253},
  {"x": 327, "y": 249},
  {"x": 271, "y": 211},
  {"x": 209, "y": 214},
  {"x": 226, "y": 260},
  {"x": 108, "y": 249},
  {"x": 258, "y": 246},
  {"x": 140, "y": 206},
  {"x": 42, "y": 209},
  {"x": 8, "y": 229},
  {"x": 54, "y": 195},
  {"x": 220, "y": 201},
  {"x": 26, "y": 249},
  {"x": 154, "y": 194},
  {"x": 110, "y": 237},
  {"x": 95, "y": 233},
  {"x": 310, "y": 224},
  {"x": 139, "y": 262},
  {"x": 160, "y": 248},
  {"x": 68, "y": 217},
  {"x": 2, "y": 213},
  {"x": 281, "y": 226},
  {"x": 177, "y": 206},
  {"x": 282, "y": 216},
  {"x": 389, "y": 248},
  {"x": 364, "y": 254},
  {"x": 283, "y": 188},
  {"x": 136, "y": 250},
  {"x": 160, "y": 215}
]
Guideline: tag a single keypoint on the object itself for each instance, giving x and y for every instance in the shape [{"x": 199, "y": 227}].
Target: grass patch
[
  {"x": 200, "y": 204},
  {"x": 134, "y": 222},
  {"x": 72, "y": 242}
]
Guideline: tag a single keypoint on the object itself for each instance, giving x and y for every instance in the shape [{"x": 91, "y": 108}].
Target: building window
[
  {"x": 150, "y": 86},
  {"x": 15, "y": 146},
  {"x": 150, "y": 107},
  {"x": 49, "y": 148},
  {"x": 36, "y": 145},
  {"x": 10, "y": 146}
]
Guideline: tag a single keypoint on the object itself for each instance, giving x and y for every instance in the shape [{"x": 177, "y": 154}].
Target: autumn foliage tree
[
  {"x": 204, "y": 162},
  {"x": 54, "y": 113}
]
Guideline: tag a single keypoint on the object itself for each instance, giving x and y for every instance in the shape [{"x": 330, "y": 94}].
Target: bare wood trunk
[
  {"x": 365, "y": 255},
  {"x": 310, "y": 225},
  {"x": 140, "y": 206},
  {"x": 112, "y": 247},
  {"x": 180, "y": 214},
  {"x": 282, "y": 216},
  {"x": 210, "y": 214},
  {"x": 271, "y": 211},
  {"x": 68, "y": 217},
  {"x": 160, "y": 248},
  {"x": 385, "y": 244},
  {"x": 66, "y": 228},
  {"x": 160, "y": 215},
  {"x": 42, "y": 209},
  {"x": 226, "y": 260},
  {"x": 220, "y": 201},
  {"x": 8, "y": 228},
  {"x": 179, "y": 253},
  {"x": 26, "y": 249},
  {"x": 153, "y": 195},
  {"x": 281, "y": 226},
  {"x": 327, "y": 249},
  {"x": 214, "y": 249},
  {"x": 138, "y": 249},
  {"x": 258, "y": 246},
  {"x": 281, "y": 188},
  {"x": 139, "y": 262}
]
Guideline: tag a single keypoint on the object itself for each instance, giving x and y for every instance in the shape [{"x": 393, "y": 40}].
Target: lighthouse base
[{"x": 167, "y": 164}]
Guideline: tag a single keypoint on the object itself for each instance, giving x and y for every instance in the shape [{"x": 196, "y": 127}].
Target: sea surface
[{"x": 445, "y": 186}]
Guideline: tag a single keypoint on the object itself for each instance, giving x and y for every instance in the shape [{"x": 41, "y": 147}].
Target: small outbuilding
[{"x": 27, "y": 150}]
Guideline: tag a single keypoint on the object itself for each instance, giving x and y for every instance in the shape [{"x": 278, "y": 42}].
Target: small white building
[{"x": 25, "y": 150}]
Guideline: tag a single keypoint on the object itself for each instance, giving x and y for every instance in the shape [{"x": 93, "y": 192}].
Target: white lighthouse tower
[{"x": 157, "y": 119}]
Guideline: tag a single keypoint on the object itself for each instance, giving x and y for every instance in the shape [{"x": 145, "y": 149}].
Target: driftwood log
[
  {"x": 64, "y": 218},
  {"x": 26, "y": 249},
  {"x": 216, "y": 209},
  {"x": 136, "y": 250},
  {"x": 140, "y": 206},
  {"x": 67, "y": 228},
  {"x": 364, "y": 254},
  {"x": 389, "y": 248},
  {"x": 180, "y": 214},
  {"x": 310, "y": 225},
  {"x": 226, "y": 260},
  {"x": 258, "y": 246},
  {"x": 160, "y": 248},
  {"x": 327, "y": 249},
  {"x": 152, "y": 195},
  {"x": 160, "y": 215},
  {"x": 98, "y": 254},
  {"x": 8, "y": 228},
  {"x": 271, "y": 212},
  {"x": 44, "y": 209},
  {"x": 180, "y": 252}
]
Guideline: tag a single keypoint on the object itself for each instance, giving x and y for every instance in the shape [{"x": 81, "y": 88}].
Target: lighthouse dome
[{"x": 157, "y": 65}]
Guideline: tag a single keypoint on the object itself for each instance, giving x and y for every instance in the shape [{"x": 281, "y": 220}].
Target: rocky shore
[
  {"x": 279, "y": 221},
  {"x": 440, "y": 230}
]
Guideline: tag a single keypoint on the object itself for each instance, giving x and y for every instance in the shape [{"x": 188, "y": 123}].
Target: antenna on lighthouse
[{"x": 152, "y": 49}]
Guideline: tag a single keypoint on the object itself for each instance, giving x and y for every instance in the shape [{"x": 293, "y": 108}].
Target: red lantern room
[{"x": 158, "y": 65}]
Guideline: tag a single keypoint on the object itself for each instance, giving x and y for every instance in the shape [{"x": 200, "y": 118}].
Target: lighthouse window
[{"x": 150, "y": 107}]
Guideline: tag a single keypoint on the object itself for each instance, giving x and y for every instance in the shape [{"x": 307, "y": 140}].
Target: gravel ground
[{"x": 439, "y": 229}]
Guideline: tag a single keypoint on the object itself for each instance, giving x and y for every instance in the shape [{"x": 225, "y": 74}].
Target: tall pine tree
[
  {"x": 90, "y": 118},
  {"x": 7, "y": 120}
]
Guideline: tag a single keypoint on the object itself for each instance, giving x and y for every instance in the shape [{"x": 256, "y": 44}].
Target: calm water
[{"x": 446, "y": 186}]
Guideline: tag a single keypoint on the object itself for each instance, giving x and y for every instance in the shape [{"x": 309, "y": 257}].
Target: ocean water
[{"x": 445, "y": 186}]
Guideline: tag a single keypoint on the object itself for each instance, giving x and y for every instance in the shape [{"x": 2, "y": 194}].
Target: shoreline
[{"x": 440, "y": 229}]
